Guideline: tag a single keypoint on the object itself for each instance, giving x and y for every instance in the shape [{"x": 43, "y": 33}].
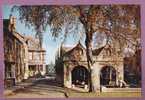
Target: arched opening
[
  {"x": 80, "y": 76},
  {"x": 108, "y": 76}
]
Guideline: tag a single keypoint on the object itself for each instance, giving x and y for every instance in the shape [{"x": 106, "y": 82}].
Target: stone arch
[
  {"x": 79, "y": 76},
  {"x": 108, "y": 76}
]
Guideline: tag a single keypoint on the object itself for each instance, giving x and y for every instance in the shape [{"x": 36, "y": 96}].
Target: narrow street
[
  {"x": 49, "y": 88},
  {"x": 39, "y": 88}
]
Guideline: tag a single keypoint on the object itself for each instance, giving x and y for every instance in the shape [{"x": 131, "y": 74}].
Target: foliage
[
  {"x": 117, "y": 21},
  {"x": 120, "y": 23}
]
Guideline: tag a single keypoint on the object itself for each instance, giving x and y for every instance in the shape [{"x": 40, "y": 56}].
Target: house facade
[
  {"x": 36, "y": 58},
  {"x": 14, "y": 53},
  {"x": 23, "y": 56},
  {"x": 107, "y": 69}
]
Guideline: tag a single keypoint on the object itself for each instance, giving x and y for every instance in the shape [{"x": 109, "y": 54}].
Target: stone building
[
  {"x": 14, "y": 52},
  {"x": 23, "y": 56},
  {"x": 72, "y": 69},
  {"x": 132, "y": 69},
  {"x": 36, "y": 58}
]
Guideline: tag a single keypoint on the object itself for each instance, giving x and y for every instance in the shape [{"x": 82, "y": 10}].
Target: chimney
[{"x": 12, "y": 23}]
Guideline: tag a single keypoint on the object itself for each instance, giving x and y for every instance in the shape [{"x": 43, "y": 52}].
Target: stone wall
[{"x": 97, "y": 69}]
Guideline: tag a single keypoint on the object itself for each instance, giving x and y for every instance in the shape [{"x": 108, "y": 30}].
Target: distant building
[
  {"x": 36, "y": 58},
  {"x": 72, "y": 69},
  {"x": 50, "y": 69}
]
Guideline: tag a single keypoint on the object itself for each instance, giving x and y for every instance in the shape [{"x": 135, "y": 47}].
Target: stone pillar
[
  {"x": 26, "y": 74},
  {"x": 44, "y": 69},
  {"x": 37, "y": 69},
  {"x": 13, "y": 71},
  {"x": 121, "y": 70},
  {"x": 26, "y": 60},
  {"x": 117, "y": 77},
  {"x": 120, "y": 73},
  {"x": 13, "y": 74}
]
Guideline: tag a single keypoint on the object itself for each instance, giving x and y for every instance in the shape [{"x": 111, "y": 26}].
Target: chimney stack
[{"x": 12, "y": 23}]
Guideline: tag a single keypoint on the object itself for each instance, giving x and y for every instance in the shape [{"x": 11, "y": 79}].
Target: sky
[{"x": 49, "y": 43}]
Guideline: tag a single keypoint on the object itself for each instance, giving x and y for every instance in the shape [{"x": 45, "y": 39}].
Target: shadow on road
[{"x": 43, "y": 86}]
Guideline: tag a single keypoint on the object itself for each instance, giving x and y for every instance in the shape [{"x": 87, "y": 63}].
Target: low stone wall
[{"x": 104, "y": 89}]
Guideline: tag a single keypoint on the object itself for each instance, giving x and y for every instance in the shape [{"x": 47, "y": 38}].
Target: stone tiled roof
[
  {"x": 78, "y": 46},
  {"x": 66, "y": 49},
  {"x": 95, "y": 52}
]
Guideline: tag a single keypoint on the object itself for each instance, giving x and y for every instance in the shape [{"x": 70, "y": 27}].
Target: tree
[{"x": 119, "y": 22}]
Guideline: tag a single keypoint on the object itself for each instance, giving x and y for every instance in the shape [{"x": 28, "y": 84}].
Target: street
[
  {"x": 40, "y": 88},
  {"x": 49, "y": 88}
]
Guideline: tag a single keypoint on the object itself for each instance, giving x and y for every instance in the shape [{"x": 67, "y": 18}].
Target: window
[
  {"x": 8, "y": 70},
  {"x": 30, "y": 55},
  {"x": 41, "y": 68},
  {"x": 32, "y": 68},
  {"x": 36, "y": 55},
  {"x": 43, "y": 56}
]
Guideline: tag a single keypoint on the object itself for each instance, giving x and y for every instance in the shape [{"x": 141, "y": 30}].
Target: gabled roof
[
  {"x": 96, "y": 52},
  {"x": 79, "y": 45},
  {"x": 66, "y": 48},
  {"x": 23, "y": 39},
  {"x": 17, "y": 35}
]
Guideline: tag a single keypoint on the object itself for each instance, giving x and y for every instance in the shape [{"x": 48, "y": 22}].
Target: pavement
[
  {"x": 40, "y": 88},
  {"x": 49, "y": 88},
  {"x": 11, "y": 90}
]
